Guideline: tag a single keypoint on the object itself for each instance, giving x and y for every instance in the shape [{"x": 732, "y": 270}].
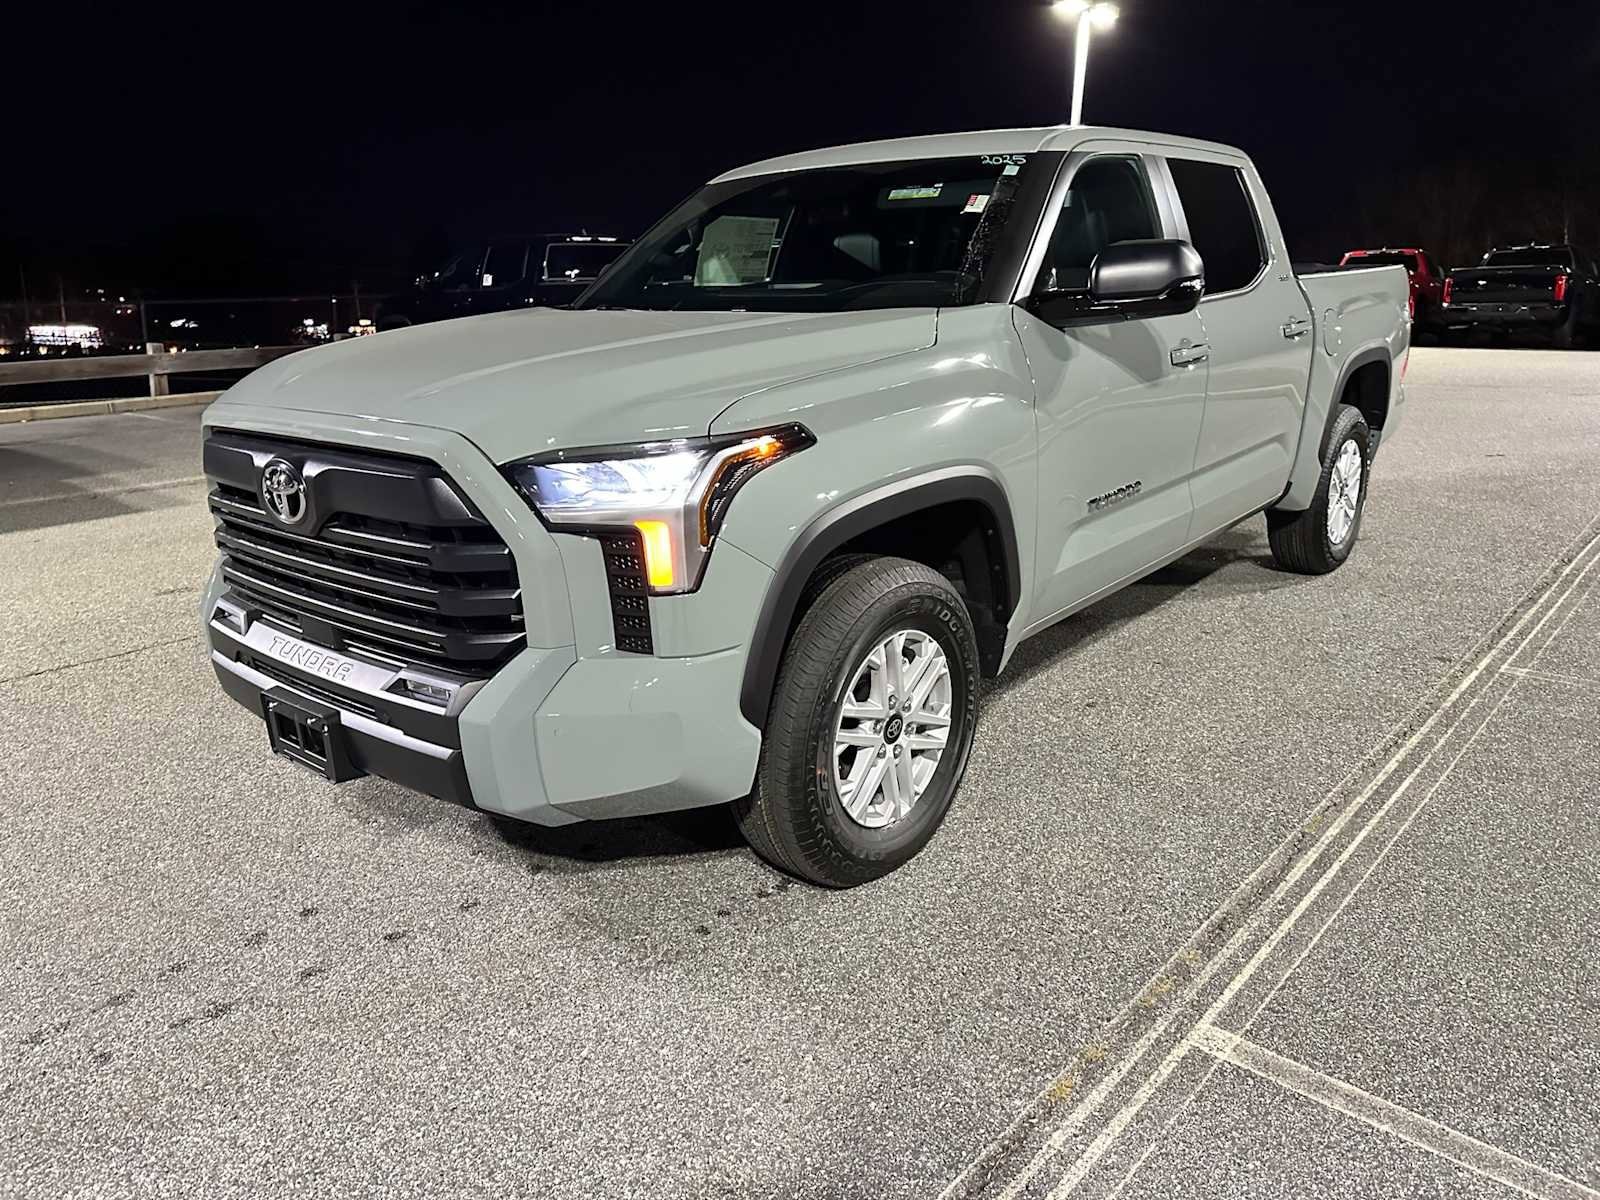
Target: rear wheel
[
  {"x": 1319, "y": 539},
  {"x": 1565, "y": 335},
  {"x": 871, "y": 723}
]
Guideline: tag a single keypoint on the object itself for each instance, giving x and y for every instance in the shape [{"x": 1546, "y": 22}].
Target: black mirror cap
[{"x": 1146, "y": 270}]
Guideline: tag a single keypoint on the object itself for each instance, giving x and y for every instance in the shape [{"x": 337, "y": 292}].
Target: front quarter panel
[{"x": 965, "y": 403}]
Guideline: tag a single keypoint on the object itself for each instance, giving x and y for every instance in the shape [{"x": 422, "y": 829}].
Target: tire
[
  {"x": 1565, "y": 335},
  {"x": 1305, "y": 541},
  {"x": 796, "y": 817}
]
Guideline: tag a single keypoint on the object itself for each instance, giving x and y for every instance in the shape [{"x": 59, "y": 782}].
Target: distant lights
[{"x": 86, "y": 337}]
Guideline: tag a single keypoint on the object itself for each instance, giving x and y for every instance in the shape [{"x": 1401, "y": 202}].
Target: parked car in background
[
  {"x": 1548, "y": 288},
  {"x": 547, "y": 270},
  {"x": 1427, "y": 279}
]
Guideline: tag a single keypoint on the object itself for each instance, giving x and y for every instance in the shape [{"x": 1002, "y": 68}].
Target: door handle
[
  {"x": 1296, "y": 327},
  {"x": 1189, "y": 353}
]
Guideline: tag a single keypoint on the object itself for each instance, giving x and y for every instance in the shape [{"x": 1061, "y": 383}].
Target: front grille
[
  {"x": 391, "y": 559},
  {"x": 630, "y": 609}
]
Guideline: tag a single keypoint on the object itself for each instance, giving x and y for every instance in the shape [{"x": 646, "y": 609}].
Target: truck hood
[{"x": 533, "y": 381}]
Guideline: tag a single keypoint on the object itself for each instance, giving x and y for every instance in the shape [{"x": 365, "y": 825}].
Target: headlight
[{"x": 675, "y": 494}]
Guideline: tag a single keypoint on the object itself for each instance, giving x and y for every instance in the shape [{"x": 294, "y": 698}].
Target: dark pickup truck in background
[
  {"x": 543, "y": 270},
  {"x": 1546, "y": 288}
]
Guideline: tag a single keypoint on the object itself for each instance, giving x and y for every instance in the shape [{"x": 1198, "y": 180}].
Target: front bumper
[
  {"x": 569, "y": 728},
  {"x": 375, "y": 747},
  {"x": 549, "y": 739}
]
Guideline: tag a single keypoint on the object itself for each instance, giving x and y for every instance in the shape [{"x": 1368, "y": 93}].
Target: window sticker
[
  {"x": 736, "y": 250},
  {"x": 930, "y": 192},
  {"x": 1011, "y": 170},
  {"x": 976, "y": 202}
]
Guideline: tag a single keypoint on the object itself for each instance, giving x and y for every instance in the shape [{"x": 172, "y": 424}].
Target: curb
[{"x": 100, "y": 408}]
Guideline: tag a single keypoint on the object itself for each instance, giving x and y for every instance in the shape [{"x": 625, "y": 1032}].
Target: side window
[
  {"x": 1222, "y": 222},
  {"x": 1109, "y": 201},
  {"x": 503, "y": 264}
]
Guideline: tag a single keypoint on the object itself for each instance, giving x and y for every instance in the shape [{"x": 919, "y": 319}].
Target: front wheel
[
  {"x": 871, "y": 723},
  {"x": 1319, "y": 539}
]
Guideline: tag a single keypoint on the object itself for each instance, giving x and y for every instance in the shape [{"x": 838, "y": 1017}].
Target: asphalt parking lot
[{"x": 1259, "y": 885}]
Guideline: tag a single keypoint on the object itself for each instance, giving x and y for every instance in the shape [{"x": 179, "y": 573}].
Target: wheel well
[
  {"x": 1367, "y": 390},
  {"x": 962, "y": 541},
  {"x": 956, "y": 520}
]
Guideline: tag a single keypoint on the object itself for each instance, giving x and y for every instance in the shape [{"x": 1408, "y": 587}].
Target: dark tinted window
[
  {"x": 574, "y": 262},
  {"x": 1530, "y": 256},
  {"x": 1222, "y": 223},
  {"x": 1108, "y": 202},
  {"x": 502, "y": 265}
]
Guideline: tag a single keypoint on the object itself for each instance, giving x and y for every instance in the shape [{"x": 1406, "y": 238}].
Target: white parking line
[
  {"x": 1058, "y": 1138},
  {"x": 1553, "y": 677},
  {"x": 1480, "y": 1158},
  {"x": 1120, "y": 1121}
]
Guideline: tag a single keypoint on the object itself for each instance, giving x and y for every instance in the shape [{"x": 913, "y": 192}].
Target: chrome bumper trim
[{"x": 351, "y": 720}]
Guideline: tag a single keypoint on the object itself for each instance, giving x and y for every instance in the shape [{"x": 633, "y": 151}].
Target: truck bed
[{"x": 1360, "y": 316}]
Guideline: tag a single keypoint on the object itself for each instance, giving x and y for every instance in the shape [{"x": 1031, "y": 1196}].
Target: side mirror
[{"x": 1148, "y": 278}]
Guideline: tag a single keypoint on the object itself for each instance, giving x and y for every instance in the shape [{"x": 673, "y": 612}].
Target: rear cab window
[
  {"x": 1530, "y": 256},
  {"x": 578, "y": 262},
  {"x": 1222, "y": 222}
]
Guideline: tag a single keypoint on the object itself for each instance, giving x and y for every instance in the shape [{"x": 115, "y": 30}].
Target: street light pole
[
  {"x": 1086, "y": 15},
  {"x": 1080, "y": 64}
]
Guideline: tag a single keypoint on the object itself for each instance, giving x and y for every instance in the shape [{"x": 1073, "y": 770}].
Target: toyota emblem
[{"x": 283, "y": 491}]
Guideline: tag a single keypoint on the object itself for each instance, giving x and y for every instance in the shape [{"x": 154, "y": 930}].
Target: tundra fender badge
[{"x": 1125, "y": 492}]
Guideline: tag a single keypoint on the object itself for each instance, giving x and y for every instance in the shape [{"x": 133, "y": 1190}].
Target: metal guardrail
[{"x": 157, "y": 363}]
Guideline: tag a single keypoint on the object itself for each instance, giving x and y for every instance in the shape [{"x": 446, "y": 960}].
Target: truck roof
[{"x": 1028, "y": 140}]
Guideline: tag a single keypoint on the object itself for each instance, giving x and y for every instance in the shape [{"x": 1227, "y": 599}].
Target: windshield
[
  {"x": 879, "y": 235},
  {"x": 1357, "y": 258},
  {"x": 573, "y": 262},
  {"x": 1532, "y": 256}
]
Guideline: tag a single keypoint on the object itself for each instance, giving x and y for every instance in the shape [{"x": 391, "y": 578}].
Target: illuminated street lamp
[{"x": 1088, "y": 14}]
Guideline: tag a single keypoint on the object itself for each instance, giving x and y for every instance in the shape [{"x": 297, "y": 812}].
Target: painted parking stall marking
[
  {"x": 1097, "y": 1121},
  {"x": 1478, "y": 1157}
]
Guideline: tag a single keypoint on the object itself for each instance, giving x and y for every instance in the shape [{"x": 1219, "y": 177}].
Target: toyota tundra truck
[{"x": 748, "y": 523}]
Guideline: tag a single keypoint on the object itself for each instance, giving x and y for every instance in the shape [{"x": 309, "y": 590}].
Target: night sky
[{"x": 252, "y": 146}]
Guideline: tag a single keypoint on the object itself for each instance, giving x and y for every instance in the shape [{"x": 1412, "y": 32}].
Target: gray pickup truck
[{"x": 747, "y": 524}]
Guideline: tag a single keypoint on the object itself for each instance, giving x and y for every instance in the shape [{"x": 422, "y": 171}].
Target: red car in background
[{"x": 1427, "y": 280}]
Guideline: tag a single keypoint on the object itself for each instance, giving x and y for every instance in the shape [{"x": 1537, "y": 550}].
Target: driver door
[{"x": 1119, "y": 401}]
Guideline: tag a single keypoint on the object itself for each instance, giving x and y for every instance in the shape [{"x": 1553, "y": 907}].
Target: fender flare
[
  {"x": 841, "y": 524},
  {"x": 1355, "y": 362}
]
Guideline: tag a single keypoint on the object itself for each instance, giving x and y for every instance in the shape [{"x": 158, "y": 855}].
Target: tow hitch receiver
[{"x": 308, "y": 733}]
